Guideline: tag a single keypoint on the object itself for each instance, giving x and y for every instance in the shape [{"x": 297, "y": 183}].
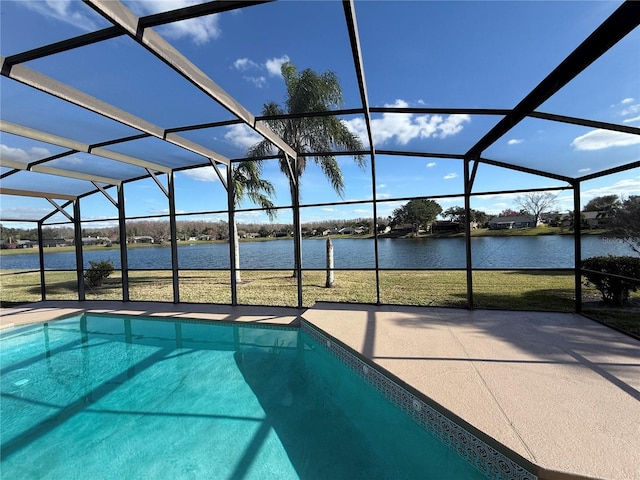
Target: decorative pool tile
[{"x": 485, "y": 458}]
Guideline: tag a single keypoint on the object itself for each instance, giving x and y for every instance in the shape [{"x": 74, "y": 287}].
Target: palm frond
[
  {"x": 308, "y": 91},
  {"x": 248, "y": 183}
]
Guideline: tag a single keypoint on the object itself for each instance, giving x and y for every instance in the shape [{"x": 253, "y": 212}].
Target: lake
[{"x": 553, "y": 251}]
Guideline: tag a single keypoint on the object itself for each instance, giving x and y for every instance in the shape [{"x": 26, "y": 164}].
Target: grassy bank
[{"x": 508, "y": 290}]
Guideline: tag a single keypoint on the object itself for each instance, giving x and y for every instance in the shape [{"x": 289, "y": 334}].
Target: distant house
[
  {"x": 25, "y": 244},
  {"x": 142, "y": 239},
  {"x": 446, "y": 226},
  {"x": 594, "y": 219},
  {"x": 281, "y": 234},
  {"x": 520, "y": 221},
  {"x": 95, "y": 240},
  {"x": 347, "y": 231},
  {"x": 56, "y": 242}
]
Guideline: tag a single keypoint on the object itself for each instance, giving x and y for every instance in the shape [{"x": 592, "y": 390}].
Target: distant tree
[
  {"x": 419, "y": 212},
  {"x": 264, "y": 231},
  {"x": 454, "y": 214},
  {"x": 536, "y": 203},
  {"x": 625, "y": 224},
  {"x": 605, "y": 202},
  {"x": 457, "y": 214},
  {"x": 606, "y": 206},
  {"x": 508, "y": 213}
]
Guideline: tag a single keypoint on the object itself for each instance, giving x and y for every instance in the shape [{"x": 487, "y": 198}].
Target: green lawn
[{"x": 509, "y": 290}]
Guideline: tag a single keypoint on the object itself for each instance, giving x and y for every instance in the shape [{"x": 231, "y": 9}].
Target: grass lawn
[{"x": 508, "y": 290}]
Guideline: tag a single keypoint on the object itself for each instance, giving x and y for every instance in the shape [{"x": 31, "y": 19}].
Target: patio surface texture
[{"x": 557, "y": 389}]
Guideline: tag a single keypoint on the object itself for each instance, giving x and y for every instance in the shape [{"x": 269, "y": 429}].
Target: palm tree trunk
[
  {"x": 236, "y": 251},
  {"x": 295, "y": 203}
]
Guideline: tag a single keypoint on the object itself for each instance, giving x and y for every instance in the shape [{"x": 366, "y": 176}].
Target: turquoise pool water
[{"x": 110, "y": 397}]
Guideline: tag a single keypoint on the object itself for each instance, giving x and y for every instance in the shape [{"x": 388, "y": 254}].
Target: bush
[
  {"x": 98, "y": 272},
  {"x": 614, "y": 290}
]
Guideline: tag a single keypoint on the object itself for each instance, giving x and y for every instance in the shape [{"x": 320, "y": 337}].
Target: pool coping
[{"x": 484, "y": 453}]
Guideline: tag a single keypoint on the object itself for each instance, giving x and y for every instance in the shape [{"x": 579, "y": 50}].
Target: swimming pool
[{"x": 99, "y": 396}]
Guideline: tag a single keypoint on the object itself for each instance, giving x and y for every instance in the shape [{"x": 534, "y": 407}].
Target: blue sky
[{"x": 416, "y": 54}]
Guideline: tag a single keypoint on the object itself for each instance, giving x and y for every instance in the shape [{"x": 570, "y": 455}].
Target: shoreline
[{"x": 484, "y": 232}]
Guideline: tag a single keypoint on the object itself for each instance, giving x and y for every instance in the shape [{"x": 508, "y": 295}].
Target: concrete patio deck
[{"x": 557, "y": 389}]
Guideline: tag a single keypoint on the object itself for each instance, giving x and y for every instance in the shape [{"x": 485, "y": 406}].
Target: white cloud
[
  {"x": 450, "y": 176},
  {"x": 515, "y": 141},
  {"x": 72, "y": 161},
  {"x": 251, "y": 217},
  {"x": 451, "y": 201},
  {"x": 632, "y": 120},
  {"x": 630, "y": 186},
  {"x": 404, "y": 127},
  {"x": 257, "y": 81},
  {"x": 631, "y": 110},
  {"x": 600, "y": 139},
  {"x": 202, "y": 174},
  {"x": 200, "y": 30},
  {"x": 382, "y": 185},
  {"x": 242, "y": 136},
  {"x": 431, "y": 164},
  {"x": 584, "y": 170},
  {"x": 627, "y": 100},
  {"x": 73, "y": 13},
  {"x": 245, "y": 64},
  {"x": 274, "y": 65},
  {"x": 161, "y": 211},
  {"x": 24, "y": 156}
]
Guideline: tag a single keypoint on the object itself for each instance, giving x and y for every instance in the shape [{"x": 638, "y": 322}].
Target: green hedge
[
  {"x": 98, "y": 272},
  {"x": 614, "y": 290}
]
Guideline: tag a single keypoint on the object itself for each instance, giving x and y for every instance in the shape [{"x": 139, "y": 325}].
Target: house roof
[{"x": 515, "y": 219}]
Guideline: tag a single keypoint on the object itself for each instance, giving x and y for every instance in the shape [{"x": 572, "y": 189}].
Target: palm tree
[
  {"x": 309, "y": 92},
  {"x": 248, "y": 183}
]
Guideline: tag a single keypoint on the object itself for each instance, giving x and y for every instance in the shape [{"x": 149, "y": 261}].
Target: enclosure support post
[
  {"x": 577, "y": 230},
  {"x": 174, "y": 237},
  {"x": 297, "y": 234},
  {"x": 375, "y": 225},
  {"x": 77, "y": 234},
  {"x": 43, "y": 290},
  {"x": 122, "y": 237},
  {"x": 467, "y": 231},
  {"x": 232, "y": 235}
]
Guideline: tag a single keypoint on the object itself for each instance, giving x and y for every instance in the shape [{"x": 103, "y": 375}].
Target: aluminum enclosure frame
[{"x": 623, "y": 21}]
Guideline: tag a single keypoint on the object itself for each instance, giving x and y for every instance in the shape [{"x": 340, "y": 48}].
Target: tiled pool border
[{"x": 484, "y": 457}]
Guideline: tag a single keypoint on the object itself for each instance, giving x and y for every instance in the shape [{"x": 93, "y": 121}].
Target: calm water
[
  {"x": 102, "y": 397},
  {"x": 553, "y": 251}
]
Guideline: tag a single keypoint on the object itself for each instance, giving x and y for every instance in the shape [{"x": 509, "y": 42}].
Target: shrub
[
  {"x": 614, "y": 290},
  {"x": 98, "y": 272}
]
